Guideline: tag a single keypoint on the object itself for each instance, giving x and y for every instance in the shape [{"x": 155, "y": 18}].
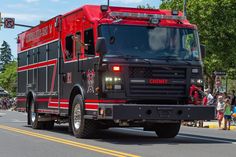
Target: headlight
[
  {"x": 199, "y": 81},
  {"x": 113, "y": 83},
  {"x": 117, "y": 79},
  {"x": 108, "y": 79}
]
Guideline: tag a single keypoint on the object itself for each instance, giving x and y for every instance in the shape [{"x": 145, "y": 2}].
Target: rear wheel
[
  {"x": 167, "y": 130},
  {"x": 82, "y": 128},
  {"x": 33, "y": 116}
]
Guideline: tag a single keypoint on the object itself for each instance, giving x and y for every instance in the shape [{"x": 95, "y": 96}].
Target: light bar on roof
[{"x": 146, "y": 16}]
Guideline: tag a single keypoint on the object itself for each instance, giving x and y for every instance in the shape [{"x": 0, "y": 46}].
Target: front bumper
[{"x": 155, "y": 112}]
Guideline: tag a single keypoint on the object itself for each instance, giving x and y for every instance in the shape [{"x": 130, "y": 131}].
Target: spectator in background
[
  {"x": 227, "y": 114},
  {"x": 233, "y": 97},
  {"x": 220, "y": 110},
  {"x": 225, "y": 95},
  {"x": 210, "y": 98}
]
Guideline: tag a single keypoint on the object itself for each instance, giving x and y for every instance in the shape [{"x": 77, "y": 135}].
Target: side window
[
  {"x": 89, "y": 40},
  {"x": 188, "y": 41},
  {"x": 78, "y": 44},
  {"x": 69, "y": 47},
  {"x": 190, "y": 44}
]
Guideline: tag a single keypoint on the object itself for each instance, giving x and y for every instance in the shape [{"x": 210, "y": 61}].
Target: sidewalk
[{"x": 214, "y": 125}]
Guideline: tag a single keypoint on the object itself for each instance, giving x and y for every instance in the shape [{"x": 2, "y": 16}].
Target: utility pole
[
  {"x": 108, "y": 3},
  {"x": 184, "y": 8},
  {"x": 0, "y": 20}
]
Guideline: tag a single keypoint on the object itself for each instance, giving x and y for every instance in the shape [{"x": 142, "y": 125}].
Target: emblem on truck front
[
  {"x": 90, "y": 80},
  {"x": 158, "y": 81}
]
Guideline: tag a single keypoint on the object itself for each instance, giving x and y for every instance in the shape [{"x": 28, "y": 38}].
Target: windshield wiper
[{"x": 169, "y": 57}]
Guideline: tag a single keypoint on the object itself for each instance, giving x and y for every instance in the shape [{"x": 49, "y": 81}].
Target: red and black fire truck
[{"x": 102, "y": 66}]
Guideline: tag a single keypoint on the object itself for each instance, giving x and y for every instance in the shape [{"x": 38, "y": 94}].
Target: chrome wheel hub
[
  {"x": 77, "y": 116},
  {"x": 33, "y": 115}
]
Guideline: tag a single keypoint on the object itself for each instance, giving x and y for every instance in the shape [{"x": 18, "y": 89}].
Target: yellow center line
[{"x": 68, "y": 142}]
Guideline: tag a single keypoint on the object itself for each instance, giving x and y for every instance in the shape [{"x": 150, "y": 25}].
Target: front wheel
[
  {"x": 82, "y": 128},
  {"x": 167, "y": 130}
]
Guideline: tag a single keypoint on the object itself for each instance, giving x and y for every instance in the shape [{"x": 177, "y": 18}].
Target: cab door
[{"x": 89, "y": 65}]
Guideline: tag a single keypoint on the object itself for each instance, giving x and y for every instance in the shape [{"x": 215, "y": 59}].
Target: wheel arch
[
  {"x": 77, "y": 89},
  {"x": 30, "y": 96}
]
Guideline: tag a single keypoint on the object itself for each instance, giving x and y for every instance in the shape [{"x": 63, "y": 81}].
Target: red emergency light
[{"x": 116, "y": 68}]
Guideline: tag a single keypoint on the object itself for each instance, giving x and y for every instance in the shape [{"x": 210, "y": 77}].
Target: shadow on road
[{"x": 137, "y": 137}]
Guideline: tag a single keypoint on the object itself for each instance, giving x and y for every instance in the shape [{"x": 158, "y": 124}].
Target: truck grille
[{"x": 173, "y": 86}]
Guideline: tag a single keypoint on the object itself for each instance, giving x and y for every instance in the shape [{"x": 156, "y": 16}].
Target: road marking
[
  {"x": 185, "y": 136},
  {"x": 2, "y": 114},
  {"x": 18, "y": 121},
  {"x": 68, "y": 142}
]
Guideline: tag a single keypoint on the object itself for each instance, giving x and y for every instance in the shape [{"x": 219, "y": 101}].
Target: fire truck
[{"x": 98, "y": 67}]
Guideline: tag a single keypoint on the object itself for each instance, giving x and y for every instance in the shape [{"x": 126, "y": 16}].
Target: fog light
[
  {"x": 117, "y": 86},
  {"x": 109, "y": 86}
]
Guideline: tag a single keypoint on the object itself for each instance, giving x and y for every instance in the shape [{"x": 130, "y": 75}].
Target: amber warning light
[
  {"x": 158, "y": 81},
  {"x": 116, "y": 68}
]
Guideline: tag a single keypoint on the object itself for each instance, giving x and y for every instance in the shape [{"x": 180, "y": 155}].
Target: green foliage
[
  {"x": 5, "y": 53},
  {"x": 8, "y": 77},
  {"x": 146, "y": 7},
  {"x": 216, "y": 21}
]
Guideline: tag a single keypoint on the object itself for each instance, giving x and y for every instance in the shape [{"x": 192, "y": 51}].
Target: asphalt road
[{"x": 19, "y": 140}]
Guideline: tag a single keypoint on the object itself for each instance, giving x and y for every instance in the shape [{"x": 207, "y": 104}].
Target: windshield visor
[{"x": 151, "y": 42}]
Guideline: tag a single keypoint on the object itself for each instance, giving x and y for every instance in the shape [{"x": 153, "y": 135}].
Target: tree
[
  {"x": 146, "y": 7},
  {"x": 216, "y": 21},
  {"x": 8, "y": 77},
  {"x": 5, "y": 53}
]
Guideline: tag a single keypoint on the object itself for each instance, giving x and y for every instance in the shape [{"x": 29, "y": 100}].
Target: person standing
[
  {"x": 227, "y": 114},
  {"x": 210, "y": 98},
  {"x": 220, "y": 110}
]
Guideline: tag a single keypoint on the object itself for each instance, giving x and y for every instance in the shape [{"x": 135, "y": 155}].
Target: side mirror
[
  {"x": 203, "y": 51},
  {"x": 101, "y": 47}
]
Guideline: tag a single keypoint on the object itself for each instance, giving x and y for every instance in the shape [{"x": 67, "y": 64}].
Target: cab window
[
  {"x": 69, "y": 47},
  {"x": 89, "y": 41}
]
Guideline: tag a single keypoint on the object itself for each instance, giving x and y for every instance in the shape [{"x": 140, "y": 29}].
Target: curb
[{"x": 215, "y": 126}]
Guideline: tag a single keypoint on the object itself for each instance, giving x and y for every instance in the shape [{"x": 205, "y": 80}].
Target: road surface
[{"x": 17, "y": 139}]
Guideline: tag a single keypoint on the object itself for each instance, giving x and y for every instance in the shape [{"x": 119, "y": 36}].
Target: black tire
[
  {"x": 167, "y": 130},
  {"x": 34, "y": 116},
  {"x": 81, "y": 128}
]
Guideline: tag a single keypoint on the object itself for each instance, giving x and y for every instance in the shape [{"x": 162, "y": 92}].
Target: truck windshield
[{"x": 151, "y": 42}]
